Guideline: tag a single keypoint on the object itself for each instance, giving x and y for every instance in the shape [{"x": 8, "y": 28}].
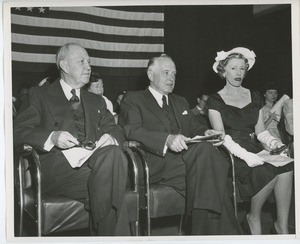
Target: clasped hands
[
  {"x": 65, "y": 140},
  {"x": 177, "y": 143}
]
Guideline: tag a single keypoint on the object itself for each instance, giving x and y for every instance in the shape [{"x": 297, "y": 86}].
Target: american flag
[{"x": 120, "y": 40}]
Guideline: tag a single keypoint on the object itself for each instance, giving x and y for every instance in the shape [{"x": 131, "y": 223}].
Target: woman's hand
[
  {"x": 252, "y": 159},
  {"x": 273, "y": 116},
  {"x": 216, "y": 132}
]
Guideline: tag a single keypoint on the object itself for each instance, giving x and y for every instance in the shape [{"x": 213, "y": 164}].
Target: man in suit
[
  {"x": 60, "y": 115},
  {"x": 200, "y": 110},
  {"x": 162, "y": 123}
]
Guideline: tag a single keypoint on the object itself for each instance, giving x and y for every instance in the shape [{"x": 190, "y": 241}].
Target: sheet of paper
[
  {"x": 77, "y": 156},
  {"x": 276, "y": 160},
  {"x": 277, "y": 108}
]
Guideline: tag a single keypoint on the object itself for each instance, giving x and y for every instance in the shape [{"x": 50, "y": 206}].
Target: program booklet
[
  {"x": 276, "y": 160},
  {"x": 211, "y": 138}
]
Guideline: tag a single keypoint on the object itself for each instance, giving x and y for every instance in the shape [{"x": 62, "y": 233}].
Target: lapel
[
  {"x": 176, "y": 110},
  {"x": 153, "y": 106},
  {"x": 59, "y": 106},
  {"x": 92, "y": 114}
]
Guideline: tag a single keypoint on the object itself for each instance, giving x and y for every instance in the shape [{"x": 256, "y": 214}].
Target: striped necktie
[{"x": 74, "y": 101}]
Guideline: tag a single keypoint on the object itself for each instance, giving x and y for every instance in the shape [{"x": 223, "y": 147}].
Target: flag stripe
[
  {"x": 105, "y": 71},
  {"x": 43, "y": 32},
  {"x": 115, "y": 63},
  {"x": 109, "y": 46},
  {"x": 96, "y": 52},
  {"x": 116, "y": 38},
  {"x": 83, "y": 25},
  {"x": 110, "y": 14}
]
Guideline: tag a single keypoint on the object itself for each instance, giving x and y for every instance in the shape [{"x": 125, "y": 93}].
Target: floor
[{"x": 168, "y": 226}]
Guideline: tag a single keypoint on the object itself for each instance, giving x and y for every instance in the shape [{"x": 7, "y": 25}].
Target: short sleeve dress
[{"x": 239, "y": 123}]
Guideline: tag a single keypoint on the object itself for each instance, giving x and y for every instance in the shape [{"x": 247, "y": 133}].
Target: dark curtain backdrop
[{"x": 193, "y": 35}]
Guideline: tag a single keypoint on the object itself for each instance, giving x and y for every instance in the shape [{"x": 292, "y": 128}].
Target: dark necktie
[
  {"x": 164, "y": 99},
  {"x": 170, "y": 115},
  {"x": 74, "y": 100}
]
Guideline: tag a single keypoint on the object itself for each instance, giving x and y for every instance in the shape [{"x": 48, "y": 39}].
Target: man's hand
[
  {"x": 177, "y": 142},
  {"x": 63, "y": 139},
  {"x": 216, "y": 132}
]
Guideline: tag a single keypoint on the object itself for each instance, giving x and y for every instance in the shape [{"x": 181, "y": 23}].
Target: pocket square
[{"x": 185, "y": 112}]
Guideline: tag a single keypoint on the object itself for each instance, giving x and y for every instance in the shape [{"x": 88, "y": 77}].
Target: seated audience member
[
  {"x": 162, "y": 123},
  {"x": 21, "y": 96},
  {"x": 271, "y": 116},
  {"x": 200, "y": 110},
  {"x": 96, "y": 86},
  {"x": 59, "y": 117},
  {"x": 288, "y": 116},
  {"x": 285, "y": 126},
  {"x": 120, "y": 96},
  {"x": 237, "y": 111}
]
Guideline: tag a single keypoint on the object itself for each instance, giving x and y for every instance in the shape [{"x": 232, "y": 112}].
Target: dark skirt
[{"x": 251, "y": 180}]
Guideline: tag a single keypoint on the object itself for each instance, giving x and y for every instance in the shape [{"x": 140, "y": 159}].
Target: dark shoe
[
  {"x": 245, "y": 226},
  {"x": 273, "y": 230}
]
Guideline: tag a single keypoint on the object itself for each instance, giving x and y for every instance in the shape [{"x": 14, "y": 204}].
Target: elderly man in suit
[
  {"x": 61, "y": 115},
  {"x": 162, "y": 123}
]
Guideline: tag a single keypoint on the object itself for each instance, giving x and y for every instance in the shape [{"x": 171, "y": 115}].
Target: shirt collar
[
  {"x": 158, "y": 96},
  {"x": 67, "y": 89},
  {"x": 200, "y": 109}
]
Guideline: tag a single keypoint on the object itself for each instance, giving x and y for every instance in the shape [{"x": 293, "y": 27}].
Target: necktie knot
[{"x": 74, "y": 97}]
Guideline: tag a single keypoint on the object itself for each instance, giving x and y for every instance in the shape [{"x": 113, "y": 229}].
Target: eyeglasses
[{"x": 89, "y": 145}]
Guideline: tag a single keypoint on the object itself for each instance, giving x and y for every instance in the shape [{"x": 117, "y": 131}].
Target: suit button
[{"x": 56, "y": 124}]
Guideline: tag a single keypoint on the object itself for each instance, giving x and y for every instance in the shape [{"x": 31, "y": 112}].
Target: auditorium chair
[
  {"x": 235, "y": 193},
  {"x": 56, "y": 214},
  {"x": 158, "y": 200}
]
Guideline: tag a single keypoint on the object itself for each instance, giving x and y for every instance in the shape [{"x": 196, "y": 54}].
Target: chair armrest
[
  {"x": 132, "y": 160},
  {"x": 23, "y": 149},
  {"x": 132, "y": 144},
  {"x": 29, "y": 163},
  {"x": 143, "y": 172},
  {"x": 234, "y": 193}
]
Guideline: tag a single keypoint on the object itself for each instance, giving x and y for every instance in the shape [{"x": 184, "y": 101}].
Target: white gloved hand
[
  {"x": 250, "y": 158},
  {"x": 266, "y": 138}
]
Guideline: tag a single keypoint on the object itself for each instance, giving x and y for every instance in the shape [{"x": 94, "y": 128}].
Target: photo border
[{"x": 8, "y": 140}]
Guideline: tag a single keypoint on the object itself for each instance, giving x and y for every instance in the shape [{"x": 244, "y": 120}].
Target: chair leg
[
  {"x": 134, "y": 228},
  {"x": 20, "y": 230},
  {"x": 148, "y": 224},
  {"x": 181, "y": 224},
  {"x": 137, "y": 228}
]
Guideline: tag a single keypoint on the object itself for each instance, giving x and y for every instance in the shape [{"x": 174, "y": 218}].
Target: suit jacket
[
  {"x": 144, "y": 121},
  {"x": 47, "y": 110},
  {"x": 202, "y": 118}
]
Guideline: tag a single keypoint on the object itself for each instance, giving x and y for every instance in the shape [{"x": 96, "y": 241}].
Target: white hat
[{"x": 250, "y": 55}]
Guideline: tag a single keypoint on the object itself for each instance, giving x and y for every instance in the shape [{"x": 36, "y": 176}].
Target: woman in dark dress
[{"x": 237, "y": 111}]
